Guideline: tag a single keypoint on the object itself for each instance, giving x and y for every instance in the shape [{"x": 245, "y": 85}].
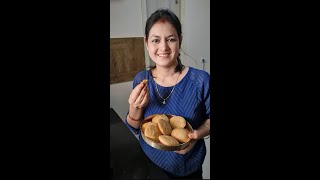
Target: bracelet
[
  {"x": 209, "y": 131},
  {"x": 207, "y": 126},
  {"x": 132, "y": 118}
]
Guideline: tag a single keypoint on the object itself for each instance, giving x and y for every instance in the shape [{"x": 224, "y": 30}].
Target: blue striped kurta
[{"x": 191, "y": 100}]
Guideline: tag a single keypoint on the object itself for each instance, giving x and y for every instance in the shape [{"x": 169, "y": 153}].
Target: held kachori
[
  {"x": 177, "y": 122},
  {"x": 168, "y": 140},
  {"x": 144, "y": 81},
  {"x": 181, "y": 134}
]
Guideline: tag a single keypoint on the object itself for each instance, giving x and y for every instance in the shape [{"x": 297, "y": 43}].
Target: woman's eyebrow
[
  {"x": 172, "y": 35},
  {"x": 156, "y": 36}
]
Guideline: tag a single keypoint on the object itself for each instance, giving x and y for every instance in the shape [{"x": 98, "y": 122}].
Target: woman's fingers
[
  {"x": 135, "y": 93},
  {"x": 193, "y": 135},
  {"x": 145, "y": 99},
  {"x": 140, "y": 97}
]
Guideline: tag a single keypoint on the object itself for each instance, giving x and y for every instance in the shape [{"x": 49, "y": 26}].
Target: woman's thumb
[{"x": 193, "y": 135}]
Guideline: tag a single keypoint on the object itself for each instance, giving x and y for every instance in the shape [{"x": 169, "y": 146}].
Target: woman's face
[{"x": 163, "y": 44}]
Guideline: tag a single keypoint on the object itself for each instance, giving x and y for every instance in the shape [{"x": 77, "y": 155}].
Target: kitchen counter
[{"x": 127, "y": 160}]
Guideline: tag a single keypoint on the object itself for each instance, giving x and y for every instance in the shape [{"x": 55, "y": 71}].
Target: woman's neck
[
  {"x": 165, "y": 76},
  {"x": 163, "y": 73}
]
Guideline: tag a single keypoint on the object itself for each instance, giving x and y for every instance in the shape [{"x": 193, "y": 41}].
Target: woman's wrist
[
  {"x": 208, "y": 129},
  {"x": 135, "y": 108},
  {"x": 133, "y": 119},
  {"x": 203, "y": 131},
  {"x": 135, "y": 114}
]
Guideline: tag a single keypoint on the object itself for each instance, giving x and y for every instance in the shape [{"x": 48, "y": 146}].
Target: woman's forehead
[{"x": 161, "y": 27}]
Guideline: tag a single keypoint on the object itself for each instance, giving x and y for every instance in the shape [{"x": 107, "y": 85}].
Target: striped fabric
[{"x": 191, "y": 100}]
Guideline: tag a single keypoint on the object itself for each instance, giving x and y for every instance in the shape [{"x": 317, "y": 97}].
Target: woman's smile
[{"x": 164, "y": 55}]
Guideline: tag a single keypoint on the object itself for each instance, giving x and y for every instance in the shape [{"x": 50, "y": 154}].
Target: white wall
[
  {"x": 195, "y": 20},
  {"x": 125, "y": 21},
  {"x": 119, "y": 94},
  {"x": 125, "y": 18}
]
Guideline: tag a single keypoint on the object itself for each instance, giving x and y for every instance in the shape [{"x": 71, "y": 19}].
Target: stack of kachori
[{"x": 168, "y": 131}]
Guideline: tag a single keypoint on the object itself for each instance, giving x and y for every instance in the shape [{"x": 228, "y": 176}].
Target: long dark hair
[{"x": 165, "y": 14}]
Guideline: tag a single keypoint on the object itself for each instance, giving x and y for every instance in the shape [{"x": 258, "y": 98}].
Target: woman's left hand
[{"x": 193, "y": 139}]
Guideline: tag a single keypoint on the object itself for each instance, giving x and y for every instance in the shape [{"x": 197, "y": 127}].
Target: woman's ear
[{"x": 146, "y": 42}]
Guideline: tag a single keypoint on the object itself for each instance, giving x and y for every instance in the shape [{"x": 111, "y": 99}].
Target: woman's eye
[
  {"x": 171, "y": 40},
  {"x": 155, "y": 41}
]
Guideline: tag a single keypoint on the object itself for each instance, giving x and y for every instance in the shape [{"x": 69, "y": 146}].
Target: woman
[{"x": 175, "y": 89}]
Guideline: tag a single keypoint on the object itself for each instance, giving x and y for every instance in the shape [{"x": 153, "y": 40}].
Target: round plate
[{"x": 161, "y": 146}]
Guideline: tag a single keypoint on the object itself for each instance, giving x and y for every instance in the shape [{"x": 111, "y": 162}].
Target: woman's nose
[{"x": 163, "y": 46}]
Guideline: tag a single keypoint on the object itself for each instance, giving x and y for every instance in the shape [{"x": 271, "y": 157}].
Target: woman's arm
[
  {"x": 134, "y": 116},
  {"x": 202, "y": 131},
  {"x": 138, "y": 99}
]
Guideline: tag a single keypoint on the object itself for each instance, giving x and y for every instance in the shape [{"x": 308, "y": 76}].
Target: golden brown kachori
[
  {"x": 156, "y": 118},
  {"x": 145, "y": 125},
  {"x": 181, "y": 134},
  {"x": 168, "y": 140},
  {"x": 177, "y": 122},
  {"x": 164, "y": 127},
  {"x": 152, "y": 132}
]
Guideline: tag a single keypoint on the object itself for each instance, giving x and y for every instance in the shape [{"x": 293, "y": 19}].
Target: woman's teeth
[{"x": 163, "y": 55}]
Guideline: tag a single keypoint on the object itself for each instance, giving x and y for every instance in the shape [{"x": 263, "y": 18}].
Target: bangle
[
  {"x": 132, "y": 118},
  {"x": 209, "y": 131}
]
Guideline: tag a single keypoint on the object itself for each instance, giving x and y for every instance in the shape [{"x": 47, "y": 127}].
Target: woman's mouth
[{"x": 163, "y": 55}]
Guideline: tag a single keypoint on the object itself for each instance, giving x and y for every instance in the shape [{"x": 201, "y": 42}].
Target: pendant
[{"x": 164, "y": 102}]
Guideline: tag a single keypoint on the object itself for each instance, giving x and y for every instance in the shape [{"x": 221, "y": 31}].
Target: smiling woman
[{"x": 175, "y": 89}]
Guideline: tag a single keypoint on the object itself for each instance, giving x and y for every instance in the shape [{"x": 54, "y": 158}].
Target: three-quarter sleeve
[
  {"x": 138, "y": 78},
  {"x": 206, "y": 95}
]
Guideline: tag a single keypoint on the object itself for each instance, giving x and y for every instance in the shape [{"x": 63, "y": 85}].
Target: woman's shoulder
[
  {"x": 199, "y": 79},
  {"x": 198, "y": 74},
  {"x": 140, "y": 76}
]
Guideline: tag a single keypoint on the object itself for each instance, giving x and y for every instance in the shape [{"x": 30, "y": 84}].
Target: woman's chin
[
  {"x": 164, "y": 60},
  {"x": 159, "y": 58},
  {"x": 167, "y": 65}
]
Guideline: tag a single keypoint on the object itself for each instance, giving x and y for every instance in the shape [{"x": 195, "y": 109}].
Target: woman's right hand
[{"x": 139, "y": 96}]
